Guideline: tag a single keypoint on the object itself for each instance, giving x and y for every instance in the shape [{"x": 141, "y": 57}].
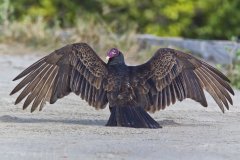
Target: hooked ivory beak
[{"x": 107, "y": 58}]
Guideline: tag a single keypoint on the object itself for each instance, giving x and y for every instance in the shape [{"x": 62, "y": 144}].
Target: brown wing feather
[
  {"x": 176, "y": 76},
  {"x": 73, "y": 68}
]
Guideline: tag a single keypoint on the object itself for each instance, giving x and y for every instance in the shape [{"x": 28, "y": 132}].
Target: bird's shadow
[
  {"x": 168, "y": 123},
  {"x": 90, "y": 122},
  {"x": 14, "y": 119}
]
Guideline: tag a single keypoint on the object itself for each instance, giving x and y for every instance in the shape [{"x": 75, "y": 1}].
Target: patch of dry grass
[{"x": 39, "y": 36}]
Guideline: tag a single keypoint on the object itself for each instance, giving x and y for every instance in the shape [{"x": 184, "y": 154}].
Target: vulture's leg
[{"x": 131, "y": 116}]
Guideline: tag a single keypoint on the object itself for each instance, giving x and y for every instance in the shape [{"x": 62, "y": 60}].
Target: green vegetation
[
  {"x": 233, "y": 71},
  {"x": 109, "y": 23},
  {"x": 38, "y": 32},
  {"x": 215, "y": 19}
]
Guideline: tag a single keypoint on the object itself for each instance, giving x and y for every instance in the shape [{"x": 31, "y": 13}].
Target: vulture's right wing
[
  {"x": 73, "y": 68},
  {"x": 172, "y": 75}
]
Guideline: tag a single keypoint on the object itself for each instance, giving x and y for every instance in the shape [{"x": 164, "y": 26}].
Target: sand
[{"x": 70, "y": 129}]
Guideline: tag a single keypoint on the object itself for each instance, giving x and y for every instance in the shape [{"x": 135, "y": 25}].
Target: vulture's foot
[{"x": 130, "y": 116}]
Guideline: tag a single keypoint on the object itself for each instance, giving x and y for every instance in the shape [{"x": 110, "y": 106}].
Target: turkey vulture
[{"x": 131, "y": 91}]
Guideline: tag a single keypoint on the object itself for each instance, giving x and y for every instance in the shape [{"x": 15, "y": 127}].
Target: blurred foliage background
[
  {"x": 115, "y": 23},
  {"x": 215, "y": 19}
]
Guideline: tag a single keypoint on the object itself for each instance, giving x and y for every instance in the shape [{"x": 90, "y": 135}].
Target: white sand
[{"x": 70, "y": 129}]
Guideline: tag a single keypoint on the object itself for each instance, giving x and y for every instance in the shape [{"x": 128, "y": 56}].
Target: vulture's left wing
[
  {"x": 172, "y": 75},
  {"x": 73, "y": 68}
]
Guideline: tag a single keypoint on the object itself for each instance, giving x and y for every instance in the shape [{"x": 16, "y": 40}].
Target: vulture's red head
[{"x": 114, "y": 52}]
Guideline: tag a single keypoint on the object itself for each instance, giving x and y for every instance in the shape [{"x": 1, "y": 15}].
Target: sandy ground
[{"x": 70, "y": 129}]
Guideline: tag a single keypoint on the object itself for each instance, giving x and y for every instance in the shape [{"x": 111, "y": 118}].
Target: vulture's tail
[{"x": 130, "y": 116}]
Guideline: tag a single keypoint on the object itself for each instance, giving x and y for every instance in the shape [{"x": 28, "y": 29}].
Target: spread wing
[
  {"x": 172, "y": 75},
  {"x": 73, "y": 68}
]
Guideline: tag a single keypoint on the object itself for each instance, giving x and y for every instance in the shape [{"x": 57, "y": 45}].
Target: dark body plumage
[{"x": 170, "y": 75}]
